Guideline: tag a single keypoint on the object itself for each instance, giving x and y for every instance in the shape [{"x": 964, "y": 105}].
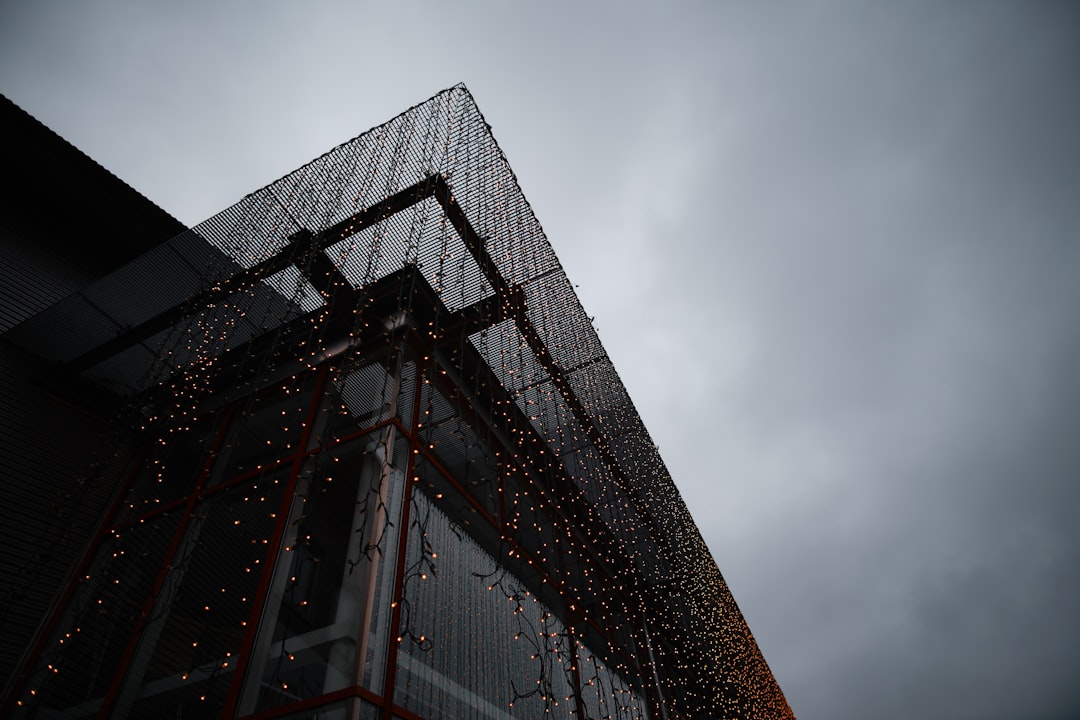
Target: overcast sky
[{"x": 833, "y": 250}]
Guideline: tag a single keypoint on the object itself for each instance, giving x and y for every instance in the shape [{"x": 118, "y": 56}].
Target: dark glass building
[{"x": 354, "y": 450}]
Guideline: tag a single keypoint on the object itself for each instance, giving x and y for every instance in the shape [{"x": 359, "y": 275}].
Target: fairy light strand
[{"x": 551, "y": 566}]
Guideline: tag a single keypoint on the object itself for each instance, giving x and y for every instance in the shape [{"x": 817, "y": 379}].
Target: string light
[{"x": 549, "y": 565}]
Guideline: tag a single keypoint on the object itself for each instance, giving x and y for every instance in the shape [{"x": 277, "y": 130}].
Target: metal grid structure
[{"x": 395, "y": 308}]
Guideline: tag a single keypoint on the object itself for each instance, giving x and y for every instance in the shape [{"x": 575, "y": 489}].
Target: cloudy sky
[{"x": 833, "y": 250}]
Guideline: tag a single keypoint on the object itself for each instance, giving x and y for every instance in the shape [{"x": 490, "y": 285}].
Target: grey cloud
[{"x": 831, "y": 248}]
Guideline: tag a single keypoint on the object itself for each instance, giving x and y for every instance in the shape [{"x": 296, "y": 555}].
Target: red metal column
[
  {"x": 575, "y": 670},
  {"x": 393, "y": 641},
  {"x": 243, "y": 655}
]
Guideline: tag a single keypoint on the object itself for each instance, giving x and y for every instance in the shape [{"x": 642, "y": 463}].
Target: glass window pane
[
  {"x": 89, "y": 644},
  {"x": 189, "y": 648},
  {"x": 328, "y": 611}
]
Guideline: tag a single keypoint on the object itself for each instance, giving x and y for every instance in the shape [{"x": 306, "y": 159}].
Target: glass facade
[{"x": 284, "y": 563}]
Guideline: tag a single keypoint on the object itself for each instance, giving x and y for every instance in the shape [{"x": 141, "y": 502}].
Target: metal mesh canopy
[{"x": 427, "y": 199}]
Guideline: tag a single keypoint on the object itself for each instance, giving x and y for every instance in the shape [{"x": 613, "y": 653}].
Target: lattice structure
[{"x": 380, "y": 464}]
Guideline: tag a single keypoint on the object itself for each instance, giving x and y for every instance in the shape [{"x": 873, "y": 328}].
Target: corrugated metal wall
[{"x": 65, "y": 222}]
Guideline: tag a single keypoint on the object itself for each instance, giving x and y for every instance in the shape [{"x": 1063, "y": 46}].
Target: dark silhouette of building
[
  {"x": 64, "y": 222},
  {"x": 355, "y": 450}
]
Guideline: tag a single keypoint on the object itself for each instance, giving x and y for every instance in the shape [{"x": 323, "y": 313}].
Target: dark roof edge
[{"x": 63, "y": 187}]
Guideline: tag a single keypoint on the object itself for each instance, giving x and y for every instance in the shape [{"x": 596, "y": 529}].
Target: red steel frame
[
  {"x": 417, "y": 449},
  {"x": 243, "y": 655},
  {"x": 113, "y": 692},
  {"x": 394, "y": 640},
  {"x": 385, "y": 701}
]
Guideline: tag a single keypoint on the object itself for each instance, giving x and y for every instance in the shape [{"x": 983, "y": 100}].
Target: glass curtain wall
[{"x": 332, "y": 546}]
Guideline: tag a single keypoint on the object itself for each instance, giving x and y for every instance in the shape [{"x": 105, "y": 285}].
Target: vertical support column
[
  {"x": 571, "y": 620},
  {"x": 243, "y": 656},
  {"x": 279, "y": 571},
  {"x": 370, "y": 573},
  {"x": 575, "y": 670},
  {"x": 393, "y": 641},
  {"x": 357, "y": 601},
  {"x": 347, "y": 660}
]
